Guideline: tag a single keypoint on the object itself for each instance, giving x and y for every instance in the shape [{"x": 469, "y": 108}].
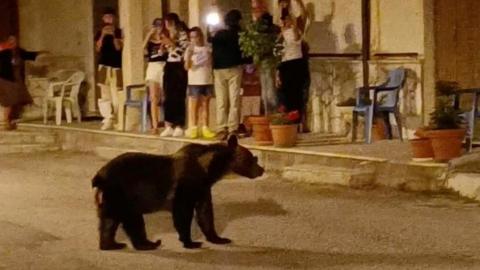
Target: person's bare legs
[
  {"x": 203, "y": 120},
  {"x": 204, "y": 108},
  {"x": 7, "y": 115},
  {"x": 154, "y": 89},
  {"x": 193, "y": 110}
]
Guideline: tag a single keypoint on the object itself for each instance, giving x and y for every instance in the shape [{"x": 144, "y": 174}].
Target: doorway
[
  {"x": 8, "y": 18},
  {"x": 98, "y": 9},
  {"x": 457, "y": 38}
]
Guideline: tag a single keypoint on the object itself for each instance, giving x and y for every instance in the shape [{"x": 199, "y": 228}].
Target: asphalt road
[{"x": 48, "y": 221}]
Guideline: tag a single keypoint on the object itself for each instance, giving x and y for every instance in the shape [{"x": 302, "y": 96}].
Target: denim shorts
[{"x": 200, "y": 90}]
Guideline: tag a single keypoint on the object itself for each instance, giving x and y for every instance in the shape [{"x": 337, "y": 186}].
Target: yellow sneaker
[
  {"x": 207, "y": 133},
  {"x": 191, "y": 132}
]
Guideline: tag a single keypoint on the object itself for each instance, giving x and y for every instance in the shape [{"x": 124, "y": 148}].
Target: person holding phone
[
  {"x": 198, "y": 62},
  {"x": 157, "y": 55},
  {"x": 175, "y": 76},
  {"x": 108, "y": 44}
]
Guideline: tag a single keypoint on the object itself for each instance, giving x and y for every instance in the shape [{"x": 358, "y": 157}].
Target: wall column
[
  {"x": 429, "y": 61},
  {"x": 131, "y": 22},
  {"x": 194, "y": 13},
  {"x": 151, "y": 9}
]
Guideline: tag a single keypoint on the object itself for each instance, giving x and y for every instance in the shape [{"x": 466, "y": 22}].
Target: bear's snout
[{"x": 257, "y": 172}]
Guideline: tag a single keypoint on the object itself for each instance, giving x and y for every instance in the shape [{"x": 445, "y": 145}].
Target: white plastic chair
[{"x": 64, "y": 94}]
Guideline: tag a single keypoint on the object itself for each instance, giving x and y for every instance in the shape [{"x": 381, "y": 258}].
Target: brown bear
[{"x": 134, "y": 184}]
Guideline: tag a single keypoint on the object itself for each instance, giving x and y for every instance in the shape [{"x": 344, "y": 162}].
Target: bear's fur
[{"x": 134, "y": 184}]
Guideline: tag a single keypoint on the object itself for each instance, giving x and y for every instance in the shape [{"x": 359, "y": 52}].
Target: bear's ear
[{"x": 232, "y": 141}]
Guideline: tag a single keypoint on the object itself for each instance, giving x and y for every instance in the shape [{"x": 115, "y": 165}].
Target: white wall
[{"x": 64, "y": 28}]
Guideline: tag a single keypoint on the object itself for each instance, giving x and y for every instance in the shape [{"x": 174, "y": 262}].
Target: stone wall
[
  {"x": 65, "y": 32},
  {"x": 335, "y": 80},
  {"x": 397, "y": 27}
]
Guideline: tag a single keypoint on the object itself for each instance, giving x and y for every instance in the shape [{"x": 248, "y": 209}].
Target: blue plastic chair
[
  {"x": 470, "y": 115},
  {"x": 389, "y": 104},
  {"x": 136, "y": 103}
]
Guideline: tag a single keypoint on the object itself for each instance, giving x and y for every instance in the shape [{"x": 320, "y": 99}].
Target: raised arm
[
  {"x": 99, "y": 40},
  {"x": 188, "y": 58},
  {"x": 118, "y": 39},
  {"x": 147, "y": 37},
  {"x": 301, "y": 20}
]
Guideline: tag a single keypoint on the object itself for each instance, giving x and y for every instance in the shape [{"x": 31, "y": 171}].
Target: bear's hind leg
[
  {"x": 108, "y": 227},
  {"x": 134, "y": 226}
]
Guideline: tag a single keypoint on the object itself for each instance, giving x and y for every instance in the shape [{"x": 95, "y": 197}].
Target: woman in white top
[
  {"x": 293, "y": 76},
  {"x": 198, "y": 62}
]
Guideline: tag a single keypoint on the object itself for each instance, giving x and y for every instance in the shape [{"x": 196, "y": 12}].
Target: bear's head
[{"x": 244, "y": 162}]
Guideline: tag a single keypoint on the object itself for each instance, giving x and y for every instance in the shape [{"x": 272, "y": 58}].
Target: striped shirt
[{"x": 175, "y": 54}]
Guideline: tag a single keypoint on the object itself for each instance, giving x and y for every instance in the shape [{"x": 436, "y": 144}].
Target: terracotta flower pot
[
  {"x": 446, "y": 143},
  {"x": 421, "y": 148},
  {"x": 284, "y": 135},
  {"x": 378, "y": 130},
  {"x": 421, "y": 132},
  {"x": 261, "y": 130}
]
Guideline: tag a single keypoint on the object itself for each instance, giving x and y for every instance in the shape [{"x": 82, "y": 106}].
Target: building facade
[{"x": 432, "y": 39}]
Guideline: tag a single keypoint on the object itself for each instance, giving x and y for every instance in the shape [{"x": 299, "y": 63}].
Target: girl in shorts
[
  {"x": 198, "y": 62},
  {"x": 157, "y": 55}
]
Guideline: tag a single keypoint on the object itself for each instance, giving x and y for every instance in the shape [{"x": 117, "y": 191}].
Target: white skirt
[{"x": 155, "y": 72}]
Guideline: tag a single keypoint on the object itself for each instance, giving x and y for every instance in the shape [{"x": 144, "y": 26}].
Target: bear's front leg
[
  {"x": 205, "y": 219},
  {"x": 183, "y": 205}
]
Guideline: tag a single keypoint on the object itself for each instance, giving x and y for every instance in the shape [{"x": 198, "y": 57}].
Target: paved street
[{"x": 48, "y": 221}]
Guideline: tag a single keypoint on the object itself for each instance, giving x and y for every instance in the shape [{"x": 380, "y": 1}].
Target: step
[
  {"x": 358, "y": 176},
  {"x": 466, "y": 184},
  {"x": 26, "y": 137},
  {"x": 27, "y": 148},
  {"x": 326, "y": 141}
]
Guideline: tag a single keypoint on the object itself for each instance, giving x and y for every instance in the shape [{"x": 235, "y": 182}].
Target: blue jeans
[{"x": 269, "y": 93}]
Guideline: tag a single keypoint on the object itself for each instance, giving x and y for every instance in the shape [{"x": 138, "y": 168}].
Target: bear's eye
[{"x": 255, "y": 159}]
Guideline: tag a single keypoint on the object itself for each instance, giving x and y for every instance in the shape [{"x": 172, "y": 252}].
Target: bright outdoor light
[{"x": 213, "y": 18}]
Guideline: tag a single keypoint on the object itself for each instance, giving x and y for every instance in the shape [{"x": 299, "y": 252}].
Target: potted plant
[
  {"x": 258, "y": 43},
  {"x": 261, "y": 129},
  {"x": 421, "y": 145},
  {"x": 445, "y": 131},
  {"x": 284, "y": 126}
]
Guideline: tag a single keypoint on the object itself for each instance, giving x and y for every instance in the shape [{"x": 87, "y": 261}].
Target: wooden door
[
  {"x": 8, "y": 18},
  {"x": 457, "y": 41}
]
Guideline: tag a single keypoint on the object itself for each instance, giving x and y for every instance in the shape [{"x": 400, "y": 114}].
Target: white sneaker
[
  {"x": 178, "y": 132},
  {"x": 167, "y": 132},
  {"x": 107, "y": 124}
]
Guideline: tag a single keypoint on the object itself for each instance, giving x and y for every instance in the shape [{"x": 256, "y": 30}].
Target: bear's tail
[
  {"x": 97, "y": 185},
  {"x": 98, "y": 197}
]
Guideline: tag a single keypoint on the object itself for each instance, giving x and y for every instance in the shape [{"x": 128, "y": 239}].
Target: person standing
[
  {"x": 175, "y": 76},
  {"x": 108, "y": 44},
  {"x": 227, "y": 69},
  {"x": 198, "y": 62},
  {"x": 293, "y": 74},
  {"x": 13, "y": 92},
  {"x": 157, "y": 56}
]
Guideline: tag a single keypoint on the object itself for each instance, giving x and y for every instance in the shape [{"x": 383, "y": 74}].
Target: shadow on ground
[
  {"x": 224, "y": 214},
  {"x": 300, "y": 259}
]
